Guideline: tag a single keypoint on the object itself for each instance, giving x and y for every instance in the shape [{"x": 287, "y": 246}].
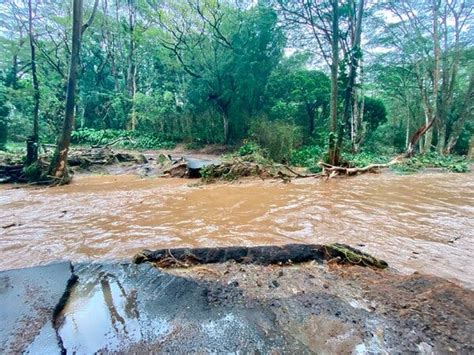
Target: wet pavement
[
  {"x": 29, "y": 299},
  {"x": 305, "y": 308}
]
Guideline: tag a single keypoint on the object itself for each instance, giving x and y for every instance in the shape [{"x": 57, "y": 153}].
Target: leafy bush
[
  {"x": 433, "y": 160},
  {"x": 386, "y": 140},
  {"x": 130, "y": 139},
  {"x": 248, "y": 148},
  {"x": 307, "y": 156},
  {"x": 278, "y": 138},
  {"x": 362, "y": 159},
  {"x": 33, "y": 172}
]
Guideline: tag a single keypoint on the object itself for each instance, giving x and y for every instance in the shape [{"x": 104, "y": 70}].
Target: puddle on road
[{"x": 102, "y": 315}]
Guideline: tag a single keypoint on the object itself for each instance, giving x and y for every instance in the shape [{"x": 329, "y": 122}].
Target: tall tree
[
  {"x": 353, "y": 55},
  {"x": 416, "y": 29},
  {"x": 33, "y": 140},
  {"x": 333, "y": 151},
  {"x": 466, "y": 115},
  {"x": 58, "y": 167},
  {"x": 131, "y": 61},
  {"x": 317, "y": 25}
]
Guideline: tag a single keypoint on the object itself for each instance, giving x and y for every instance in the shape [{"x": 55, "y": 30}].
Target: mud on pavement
[{"x": 311, "y": 307}]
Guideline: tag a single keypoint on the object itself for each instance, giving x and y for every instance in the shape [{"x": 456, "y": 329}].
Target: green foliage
[
  {"x": 308, "y": 156},
  {"x": 33, "y": 172},
  {"x": 385, "y": 140},
  {"x": 278, "y": 138},
  {"x": 449, "y": 163},
  {"x": 207, "y": 72},
  {"x": 4, "y": 112},
  {"x": 297, "y": 94},
  {"x": 248, "y": 148},
  {"x": 126, "y": 139},
  {"x": 375, "y": 112},
  {"x": 362, "y": 159}
]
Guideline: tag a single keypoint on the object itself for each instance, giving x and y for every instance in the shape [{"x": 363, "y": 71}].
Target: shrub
[
  {"x": 307, "y": 156},
  {"x": 278, "y": 138},
  {"x": 248, "y": 148},
  {"x": 450, "y": 163},
  {"x": 359, "y": 160}
]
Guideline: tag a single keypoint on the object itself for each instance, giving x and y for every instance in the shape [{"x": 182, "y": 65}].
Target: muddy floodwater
[{"x": 421, "y": 222}]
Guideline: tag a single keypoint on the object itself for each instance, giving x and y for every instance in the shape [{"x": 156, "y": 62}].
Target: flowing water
[{"x": 421, "y": 222}]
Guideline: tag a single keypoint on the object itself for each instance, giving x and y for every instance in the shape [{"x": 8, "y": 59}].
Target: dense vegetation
[{"x": 303, "y": 79}]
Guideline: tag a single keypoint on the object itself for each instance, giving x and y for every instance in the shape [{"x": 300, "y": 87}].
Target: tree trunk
[
  {"x": 132, "y": 70},
  {"x": 58, "y": 167},
  {"x": 311, "y": 112},
  {"x": 467, "y": 114},
  {"x": 407, "y": 133},
  {"x": 354, "y": 59},
  {"x": 225, "y": 122},
  {"x": 450, "y": 71},
  {"x": 13, "y": 81},
  {"x": 436, "y": 74},
  {"x": 470, "y": 153},
  {"x": 441, "y": 137},
  {"x": 417, "y": 135},
  {"x": 333, "y": 155},
  {"x": 428, "y": 137},
  {"x": 431, "y": 112},
  {"x": 32, "y": 141}
]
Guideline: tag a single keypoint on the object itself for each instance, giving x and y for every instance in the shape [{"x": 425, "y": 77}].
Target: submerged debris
[
  {"x": 236, "y": 167},
  {"x": 102, "y": 156},
  {"x": 13, "y": 169}
]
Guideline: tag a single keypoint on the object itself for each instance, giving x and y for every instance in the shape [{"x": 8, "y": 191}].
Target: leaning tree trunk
[
  {"x": 432, "y": 113},
  {"x": 32, "y": 141},
  {"x": 58, "y": 168},
  {"x": 333, "y": 156},
  {"x": 417, "y": 135}
]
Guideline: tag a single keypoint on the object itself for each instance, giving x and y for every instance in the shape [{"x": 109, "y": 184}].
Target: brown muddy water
[{"x": 421, "y": 222}]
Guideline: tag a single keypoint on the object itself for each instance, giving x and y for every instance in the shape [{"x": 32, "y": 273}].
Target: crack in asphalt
[{"x": 56, "y": 319}]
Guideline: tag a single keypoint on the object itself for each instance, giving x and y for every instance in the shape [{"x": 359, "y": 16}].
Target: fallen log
[
  {"x": 12, "y": 169},
  {"x": 260, "y": 255},
  {"x": 102, "y": 156}
]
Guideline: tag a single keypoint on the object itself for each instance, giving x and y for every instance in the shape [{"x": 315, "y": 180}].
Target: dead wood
[
  {"x": 259, "y": 255},
  {"x": 331, "y": 171}
]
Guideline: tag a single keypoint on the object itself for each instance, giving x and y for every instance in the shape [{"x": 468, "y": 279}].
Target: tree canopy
[{"x": 338, "y": 74}]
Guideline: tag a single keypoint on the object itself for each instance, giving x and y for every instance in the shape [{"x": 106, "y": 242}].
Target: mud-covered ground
[
  {"x": 341, "y": 309},
  {"x": 314, "y": 307}
]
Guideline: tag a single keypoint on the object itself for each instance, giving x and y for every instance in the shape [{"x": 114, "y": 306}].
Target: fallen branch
[{"x": 332, "y": 170}]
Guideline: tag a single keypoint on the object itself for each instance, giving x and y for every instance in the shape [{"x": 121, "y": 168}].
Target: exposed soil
[{"x": 335, "y": 309}]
